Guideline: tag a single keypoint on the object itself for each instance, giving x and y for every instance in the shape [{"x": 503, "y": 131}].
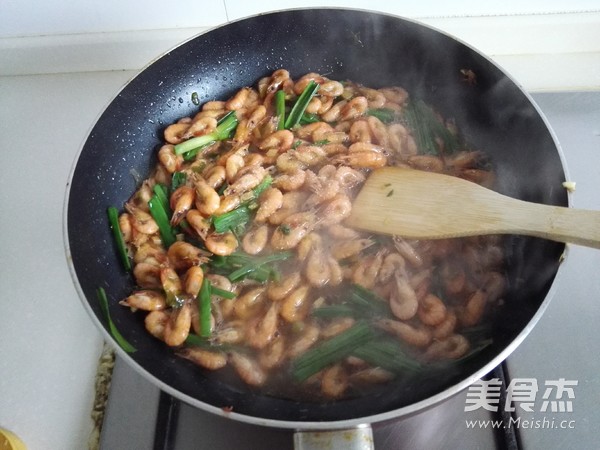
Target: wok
[{"x": 377, "y": 50}]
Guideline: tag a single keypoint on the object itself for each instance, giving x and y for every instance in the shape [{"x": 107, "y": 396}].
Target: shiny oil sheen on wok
[{"x": 375, "y": 50}]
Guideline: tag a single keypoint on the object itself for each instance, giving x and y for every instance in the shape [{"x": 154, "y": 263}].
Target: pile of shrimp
[{"x": 435, "y": 289}]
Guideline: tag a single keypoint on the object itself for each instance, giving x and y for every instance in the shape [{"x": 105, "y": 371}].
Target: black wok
[{"x": 378, "y": 50}]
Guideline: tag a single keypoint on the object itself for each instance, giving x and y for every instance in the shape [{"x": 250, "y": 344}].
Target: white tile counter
[{"x": 49, "y": 347}]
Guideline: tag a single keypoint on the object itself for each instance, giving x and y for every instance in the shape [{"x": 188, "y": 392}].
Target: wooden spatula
[{"x": 425, "y": 205}]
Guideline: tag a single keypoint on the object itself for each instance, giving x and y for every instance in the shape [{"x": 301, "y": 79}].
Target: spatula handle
[{"x": 576, "y": 226}]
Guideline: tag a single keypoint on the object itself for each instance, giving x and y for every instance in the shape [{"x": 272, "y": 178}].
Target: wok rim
[{"x": 404, "y": 411}]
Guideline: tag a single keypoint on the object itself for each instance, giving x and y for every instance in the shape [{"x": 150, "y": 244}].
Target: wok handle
[{"x": 357, "y": 438}]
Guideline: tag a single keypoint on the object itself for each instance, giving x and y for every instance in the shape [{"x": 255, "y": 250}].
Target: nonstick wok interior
[{"x": 376, "y": 50}]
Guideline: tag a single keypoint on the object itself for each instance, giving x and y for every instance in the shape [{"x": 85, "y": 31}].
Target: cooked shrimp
[
  {"x": 452, "y": 347},
  {"x": 181, "y": 202},
  {"x": 427, "y": 162},
  {"x": 354, "y": 108},
  {"x": 256, "y": 240},
  {"x": 274, "y": 354},
  {"x": 296, "y": 305},
  {"x": 338, "y": 231},
  {"x": 155, "y": 323},
  {"x": 238, "y": 100},
  {"x": 282, "y": 140},
  {"x": 360, "y": 132},
  {"x": 200, "y": 126},
  {"x": 232, "y": 166},
  {"x": 432, "y": 310},
  {"x": 336, "y": 210},
  {"x": 247, "y": 303},
  {"x": 334, "y": 381},
  {"x": 178, "y": 326},
  {"x": 308, "y": 336},
  {"x": 445, "y": 328},
  {"x": 310, "y": 155},
  {"x": 473, "y": 309},
  {"x": 228, "y": 203},
  {"x": 174, "y": 133},
  {"x": 146, "y": 300},
  {"x": 192, "y": 280},
  {"x": 207, "y": 200},
  {"x": 418, "y": 337},
  {"x": 375, "y": 98},
  {"x": 183, "y": 255},
  {"x": 290, "y": 181},
  {"x": 303, "y": 81},
  {"x": 403, "y": 301},
  {"x": 222, "y": 244},
  {"x": 210, "y": 360},
  {"x": 141, "y": 220},
  {"x": 263, "y": 329},
  {"x": 167, "y": 157},
  {"x": 200, "y": 224},
  {"x": 365, "y": 273},
  {"x": 347, "y": 248},
  {"x": 248, "y": 180},
  {"x": 395, "y": 94},
  {"x": 331, "y": 88},
  {"x": 215, "y": 176},
  {"x": 291, "y": 231},
  {"x": 170, "y": 281},
  {"x": 337, "y": 326},
  {"x": 279, "y": 291},
  {"x": 269, "y": 201},
  {"x": 408, "y": 252},
  {"x": 248, "y": 369},
  {"x": 362, "y": 160},
  {"x": 147, "y": 275},
  {"x": 335, "y": 112},
  {"x": 392, "y": 263},
  {"x": 317, "y": 269}
]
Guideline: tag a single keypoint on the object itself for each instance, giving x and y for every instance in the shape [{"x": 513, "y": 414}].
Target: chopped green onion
[
  {"x": 123, "y": 343},
  {"x": 195, "y": 99},
  {"x": 369, "y": 302},
  {"x": 387, "y": 354},
  {"x": 162, "y": 220},
  {"x": 113, "y": 218},
  {"x": 285, "y": 229},
  {"x": 209, "y": 344},
  {"x": 280, "y": 109},
  {"x": 204, "y": 305},
  {"x": 386, "y": 115},
  {"x": 225, "y": 127},
  {"x": 198, "y": 341},
  {"x": 222, "y": 293},
  {"x": 236, "y": 219},
  {"x": 177, "y": 180},
  {"x": 428, "y": 129},
  {"x": 332, "y": 311},
  {"x": 308, "y": 118},
  {"x": 321, "y": 142},
  {"x": 161, "y": 194},
  {"x": 331, "y": 351},
  {"x": 232, "y": 220},
  {"x": 256, "y": 265},
  {"x": 296, "y": 144},
  {"x": 262, "y": 186},
  {"x": 301, "y": 103}
]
